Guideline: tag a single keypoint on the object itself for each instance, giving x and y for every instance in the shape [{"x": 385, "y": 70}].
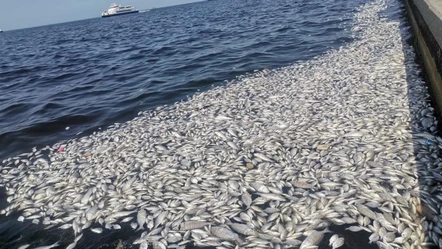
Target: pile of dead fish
[{"x": 270, "y": 161}]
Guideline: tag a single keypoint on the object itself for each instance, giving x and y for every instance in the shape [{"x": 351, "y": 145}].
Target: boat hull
[{"x": 120, "y": 14}]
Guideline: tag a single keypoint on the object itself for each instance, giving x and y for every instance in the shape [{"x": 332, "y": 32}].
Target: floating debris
[
  {"x": 323, "y": 147},
  {"x": 250, "y": 165}
]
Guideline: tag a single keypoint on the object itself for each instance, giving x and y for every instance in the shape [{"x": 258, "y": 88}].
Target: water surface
[{"x": 61, "y": 80}]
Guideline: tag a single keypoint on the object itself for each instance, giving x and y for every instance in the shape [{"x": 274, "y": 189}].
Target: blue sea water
[
  {"x": 89, "y": 74},
  {"x": 68, "y": 80}
]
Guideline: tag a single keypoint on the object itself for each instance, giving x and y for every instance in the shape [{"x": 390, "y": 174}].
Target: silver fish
[
  {"x": 246, "y": 199},
  {"x": 338, "y": 243},
  {"x": 224, "y": 233},
  {"x": 189, "y": 225},
  {"x": 97, "y": 230},
  {"x": 141, "y": 218},
  {"x": 49, "y": 247},
  {"x": 242, "y": 228},
  {"x": 313, "y": 238}
]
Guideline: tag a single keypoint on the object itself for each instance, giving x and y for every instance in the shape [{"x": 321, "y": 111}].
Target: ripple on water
[{"x": 92, "y": 64}]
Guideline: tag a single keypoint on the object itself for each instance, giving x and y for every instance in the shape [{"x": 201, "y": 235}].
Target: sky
[{"x": 17, "y": 14}]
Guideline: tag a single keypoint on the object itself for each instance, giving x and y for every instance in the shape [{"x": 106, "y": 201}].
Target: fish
[
  {"x": 366, "y": 211},
  {"x": 127, "y": 219},
  {"x": 118, "y": 215},
  {"x": 49, "y": 246},
  {"x": 373, "y": 238},
  {"x": 72, "y": 245},
  {"x": 160, "y": 218},
  {"x": 90, "y": 213},
  {"x": 65, "y": 226},
  {"x": 383, "y": 245},
  {"x": 242, "y": 228},
  {"x": 190, "y": 225},
  {"x": 76, "y": 227},
  {"x": 262, "y": 157},
  {"x": 133, "y": 225},
  {"x": 144, "y": 245},
  {"x": 224, "y": 233},
  {"x": 97, "y": 230},
  {"x": 246, "y": 199},
  {"x": 338, "y": 243},
  {"x": 355, "y": 228},
  {"x": 406, "y": 233},
  {"x": 141, "y": 218},
  {"x": 313, "y": 238},
  {"x": 333, "y": 239},
  {"x": 85, "y": 198}
]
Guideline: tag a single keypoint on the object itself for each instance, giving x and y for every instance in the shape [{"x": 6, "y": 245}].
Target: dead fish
[
  {"x": 133, "y": 225},
  {"x": 366, "y": 211},
  {"x": 78, "y": 237},
  {"x": 72, "y": 245},
  {"x": 349, "y": 220},
  {"x": 65, "y": 226},
  {"x": 144, "y": 245},
  {"x": 160, "y": 219},
  {"x": 118, "y": 215},
  {"x": 383, "y": 245},
  {"x": 260, "y": 187},
  {"x": 354, "y": 228},
  {"x": 263, "y": 157},
  {"x": 90, "y": 212},
  {"x": 406, "y": 233},
  {"x": 127, "y": 219},
  {"x": 338, "y": 243},
  {"x": 76, "y": 227},
  {"x": 354, "y": 134},
  {"x": 316, "y": 141},
  {"x": 174, "y": 238},
  {"x": 333, "y": 239},
  {"x": 313, "y": 238},
  {"x": 242, "y": 228},
  {"x": 373, "y": 238},
  {"x": 224, "y": 233},
  {"x": 233, "y": 145},
  {"x": 292, "y": 242},
  {"x": 141, "y": 218},
  {"x": 246, "y": 199},
  {"x": 86, "y": 197},
  {"x": 222, "y": 118},
  {"x": 272, "y": 196},
  {"x": 189, "y": 225},
  {"x": 49, "y": 247},
  {"x": 97, "y": 230}
]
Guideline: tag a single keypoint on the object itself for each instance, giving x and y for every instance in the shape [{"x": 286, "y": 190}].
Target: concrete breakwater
[
  {"x": 426, "y": 19},
  {"x": 335, "y": 152}
]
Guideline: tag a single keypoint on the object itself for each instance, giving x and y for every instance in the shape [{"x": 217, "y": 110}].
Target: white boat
[{"x": 116, "y": 10}]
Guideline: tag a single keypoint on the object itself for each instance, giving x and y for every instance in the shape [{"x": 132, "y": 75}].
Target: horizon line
[{"x": 76, "y": 20}]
